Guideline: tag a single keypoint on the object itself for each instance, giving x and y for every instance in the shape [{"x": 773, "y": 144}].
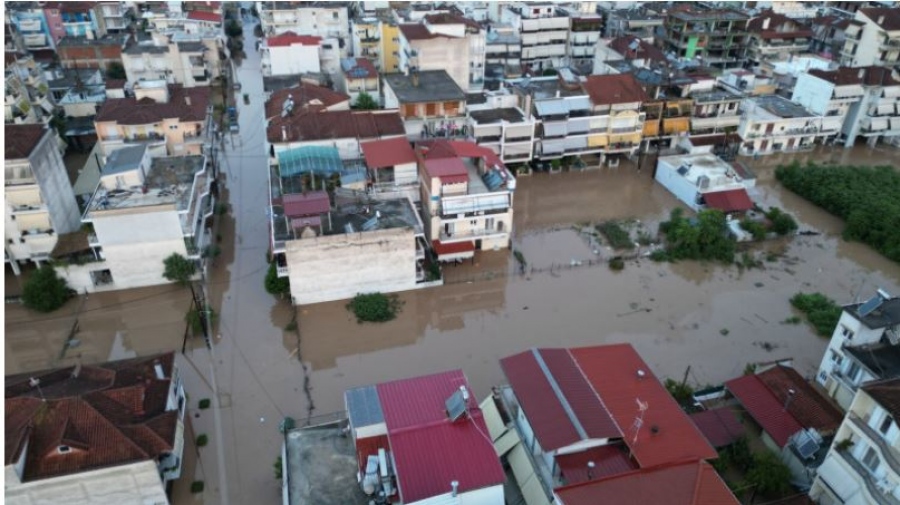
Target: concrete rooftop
[
  {"x": 398, "y": 213},
  {"x": 321, "y": 467},
  {"x": 774, "y": 106},
  {"x": 434, "y": 86},
  {"x": 168, "y": 181}
]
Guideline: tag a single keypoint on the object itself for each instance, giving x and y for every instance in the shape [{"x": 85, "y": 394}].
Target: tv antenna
[{"x": 639, "y": 419}]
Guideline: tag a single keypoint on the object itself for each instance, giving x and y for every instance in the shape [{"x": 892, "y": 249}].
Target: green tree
[
  {"x": 365, "y": 102},
  {"x": 233, "y": 28},
  {"x": 276, "y": 285},
  {"x": 374, "y": 307},
  {"x": 782, "y": 222},
  {"x": 768, "y": 475},
  {"x": 115, "y": 70},
  {"x": 279, "y": 468},
  {"x": 45, "y": 291},
  {"x": 821, "y": 312},
  {"x": 179, "y": 269},
  {"x": 704, "y": 238}
]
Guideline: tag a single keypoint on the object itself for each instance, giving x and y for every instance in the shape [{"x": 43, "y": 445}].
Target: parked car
[{"x": 237, "y": 86}]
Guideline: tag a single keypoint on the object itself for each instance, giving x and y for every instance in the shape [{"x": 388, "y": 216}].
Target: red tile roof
[
  {"x": 775, "y": 20},
  {"x": 720, "y": 426},
  {"x": 560, "y": 404},
  {"x": 130, "y": 111},
  {"x": 109, "y": 414},
  {"x": 695, "y": 483},
  {"x": 337, "y": 124},
  {"x": 290, "y": 38},
  {"x": 21, "y": 139},
  {"x": 362, "y": 69},
  {"x": 645, "y": 50},
  {"x": 211, "y": 17},
  {"x": 388, "y": 153},
  {"x": 667, "y": 435},
  {"x": 807, "y": 405},
  {"x": 447, "y": 18},
  {"x": 732, "y": 200},
  {"x": 614, "y": 89},
  {"x": 312, "y": 203},
  {"x": 764, "y": 408},
  {"x": 887, "y": 393},
  {"x": 609, "y": 460},
  {"x": 307, "y": 97},
  {"x": 429, "y": 450},
  {"x": 419, "y": 31},
  {"x": 886, "y": 18},
  {"x": 452, "y": 248}
]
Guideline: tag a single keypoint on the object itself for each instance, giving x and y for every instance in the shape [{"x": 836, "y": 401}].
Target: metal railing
[
  {"x": 889, "y": 453},
  {"x": 881, "y": 497}
]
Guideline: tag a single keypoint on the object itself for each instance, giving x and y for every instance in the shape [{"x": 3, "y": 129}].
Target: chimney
[
  {"x": 880, "y": 20},
  {"x": 415, "y": 78},
  {"x": 455, "y": 486},
  {"x": 861, "y": 73},
  {"x": 187, "y": 100},
  {"x": 766, "y": 22},
  {"x": 283, "y": 134}
]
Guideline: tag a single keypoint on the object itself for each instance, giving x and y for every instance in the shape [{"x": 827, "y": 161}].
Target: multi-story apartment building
[
  {"x": 829, "y": 34},
  {"x": 104, "y": 433},
  {"x": 430, "y": 103},
  {"x": 143, "y": 210},
  {"x": 467, "y": 198},
  {"x": 831, "y": 92},
  {"x": 502, "y": 55},
  {"x": 775, "y": 36},
  {"x": 40, "y": 203},
  {"x": 876, "y": 41},
  {"x": 170, "y": 120},
  {"x": 366, "y": 40},
  {"x": 185, "y": 60},
  {"x": 358, "y": 75},
  {"x": 638, "y": 22},
  {"x": 26, "y": 97},
  {"x": 328, "y": 20},
  {"x": 31, "y": 24},
  {"x": 79, "y": 92},
  {"x": 80, "y": 19},
  {"x": 544, "y": 31},
  {"x": 291, "y": 54},
  {"x": 716, "y": 111},
  {"x": 773, "y": 124},
  {"x": 445, "y": 42},
  {"x": 864, "y": 340},
  {"x": 497, "y": 121},
  {"x": 584, "y": 34},
  {"x": 667, "y": 119},
  {"x": 114, "y": 16},
  {"x": 716, "y": 36},
  {"x": 863, "y": 464}
]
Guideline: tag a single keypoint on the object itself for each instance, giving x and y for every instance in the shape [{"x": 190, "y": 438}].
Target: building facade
[
  {"x": 717, "y": 36},
  {"x": 773, "y": 124}
]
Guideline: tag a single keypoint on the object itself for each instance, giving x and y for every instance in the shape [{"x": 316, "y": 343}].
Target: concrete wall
[
  {"x": 679, "y": 186},
  {"x": 56, "y": 191},
  {"x": 337, "y": 267},
  {"x": 135, "y": 244},
  {"x": 485, "y": 496},
  {"x": 812, "y": 93},
  {"x": 296, "y": 59},
  {"x": 444, "y": 53},
  {"x": 134, "y": 484}
]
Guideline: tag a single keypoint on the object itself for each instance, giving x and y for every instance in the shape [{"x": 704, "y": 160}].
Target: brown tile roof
[
  {"x": 807, "y": 405},
  {"x": 869, "y": 76},
  {"x": 887, "y": 19},
  {"x": 109, "y": 414},
  {"x": 334, "y": 125},
  {"x": 290, "y": 38},
  {"x": 775, "y": 20},
  {"x": 21, "y": 139},
  {"x": 447, "y": 18},
  {"x": 644, "y": 50},
  {"x": 614, "y": 88},
  {"x": 307, "y": 97},
  {"x": 130, "y": 111},
  {"x": 116, "y": 83},
  {"x": 887, "y": 393}
]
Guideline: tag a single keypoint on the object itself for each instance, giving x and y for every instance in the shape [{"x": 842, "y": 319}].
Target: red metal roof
[
  {"x": 612, "y": 370},
  {"x": 609, "y": 460},
  {"x": 764, "y": 408},
  {"x": 306, "y": 204},
  {"x": 808, "y": 406},
  {"x": 388, "y": 153},
  {"x": 429, "y": 450},
  {"x": 448, "y": 170},
  {"x": 732, "y": 200},
  {"x": 695, "y": 483},
  {"x": 211, "y": 17},
  {"x": 720, "y": 426},
  {"x": 614, "y": 89},
  {"x": 290, "y": 38},
  {"x": 452, "y": 248}
]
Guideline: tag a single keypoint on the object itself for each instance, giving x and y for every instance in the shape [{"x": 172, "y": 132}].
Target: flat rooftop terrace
[
  {"x": 168, "y": 181},
  {"x": 770, "y": 106},
  {"x": 371, "y": 216},
  {"x": 321, "y": 467},
  {"x": 488, "y": 116}
]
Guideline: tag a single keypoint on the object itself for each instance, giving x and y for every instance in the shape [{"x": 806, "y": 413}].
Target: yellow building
[{"x": 390, "y": 48}]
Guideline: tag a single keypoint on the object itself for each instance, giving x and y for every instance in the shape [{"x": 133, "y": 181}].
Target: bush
[
  {"x": 659, "y": 255},
  {"x": 115, "y": 70},
  {"x": 703, "y": 238},
  {"x": 616, "y": 264},
  {"x": 755, "y": 228},
  {"x": 204, "y": 404},
  {"x": 782, "y": 222},
  {"x": 374, "y": 307},
  {"x": 202, "y": 440},
  {"x": 683, "y": 393},
  {"x": 193, "y": 319},
  {"x": 178, "y": 269},
  {"x": 520, "y": 258},
  {"x": 197, "y": 486},
  {"x": 275, "y": 285},
  {"x": 279, "y": 468},
  {"x": 768, "y": 474},
  {"x": 618, "y": 237},
  {"x": 865, "y": 197},
  {"x": 45, "y": 291},
  {"x": 819, "y": 310},
  {"x": 233, "y": 28}
]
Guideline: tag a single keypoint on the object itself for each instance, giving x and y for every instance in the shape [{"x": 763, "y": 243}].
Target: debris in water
[
  {"x": 525, "y": 307},
  {"x": 758, "y": 284}
]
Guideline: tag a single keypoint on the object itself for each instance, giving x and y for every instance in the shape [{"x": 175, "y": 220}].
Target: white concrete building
[
  {"x": 291, "y": 54},
  {"x": 143, "y": 211},
  {"x": 65, "y": 445},
  {"x": 773, "y": 124},
  {"x": 715, "y": 111},
  {"x": 876, "y": 42},
  {"x": 177, "y": 58},
  {"x": 40, "y": 203},
  {"x": 863, "y": 464},
  {"x": 873, "y": 109},
  {"x": 863, "y": 327},
  {"x": 445, "y": 42},
  {"x": 327, "y": 20},
  {"x": 544, "y": 31},
  {"x": 695, "y": 178},
  {"x": 499, "y": 123}
]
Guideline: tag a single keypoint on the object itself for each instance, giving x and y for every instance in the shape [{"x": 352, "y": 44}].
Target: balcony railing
[
  {"x": 470, "y": 234},
  {"x": 880, "y": 497},
  {"x": 144, "y": 137},
  {"x": 889, "y": 453}
]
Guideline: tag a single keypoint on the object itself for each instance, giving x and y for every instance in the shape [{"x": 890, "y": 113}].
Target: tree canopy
[
  {"x": 233, "y": 28},
  {"x": 703, "y": 238},
  {"x": 45, "y": 291},
  {"x": 179, "y": 269},
  {"x": 276, "y": 285},
  {"x": 115, "y": 70},
  {"x": 865, "y": 197},
  {"x": 364, "y": 101}
]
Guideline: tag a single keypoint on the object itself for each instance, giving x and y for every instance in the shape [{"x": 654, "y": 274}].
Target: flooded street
[{"x": 674, "y": 314}]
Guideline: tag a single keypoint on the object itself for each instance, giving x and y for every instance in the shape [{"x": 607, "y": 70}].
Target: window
[
  {"x": 173, "y": 127},
  {"x": 334, "y": 15},
  {"x": 847, "y": 332},
  {"x": 886, "y": 425},
  {"x": 836, "y": 358},
  {"x": 870, "y": 460},
  {"x": 853, "y": 371},
  {"x": 64, "y": 449}
]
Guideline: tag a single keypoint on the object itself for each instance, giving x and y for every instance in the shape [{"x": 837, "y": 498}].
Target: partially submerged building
[{"x": 705, "y": 181}]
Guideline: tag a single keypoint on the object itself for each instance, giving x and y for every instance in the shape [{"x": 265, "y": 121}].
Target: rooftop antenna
[
  {"x": 790, "y": 396},
  {"x": 590, "y": 470},
  {"x": 36, "y": 383},
  {"x": 639, "y": 419}
]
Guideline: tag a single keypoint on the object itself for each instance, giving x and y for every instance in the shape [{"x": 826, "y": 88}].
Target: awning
[
  {"x": 885, "y": 109},
  {"x": 878, "y": 123},
  {"x": 555, "y": 129},
  {"x": 454, "y": 250},
  {"x": 306, "y": 221},
  {"x": 732, "y": 200},
  {"x": 837, "y": 478}
]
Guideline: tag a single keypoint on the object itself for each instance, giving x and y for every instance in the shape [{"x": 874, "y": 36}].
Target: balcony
[
  {"x": 144, "y": 138},
  {"x": 470, "y": 234},
  {"x": 880, "y": 497},
  {"x": 889, "y": 453},
  {"x": 890, "y": 45},
  {"x": 29, "y": 208},
  {"x": 195, "y": 137}
]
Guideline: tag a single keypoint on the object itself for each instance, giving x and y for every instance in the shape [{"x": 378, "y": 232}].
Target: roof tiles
[
  {"x": 388, "y": 152},
  {"x": 21, "y": 139},
  {"x": 186, "y": 104},
  {"x": 614, "y": 89},
  {"x": 732, "y": 200},
  {"x": 764, "y": 408}
]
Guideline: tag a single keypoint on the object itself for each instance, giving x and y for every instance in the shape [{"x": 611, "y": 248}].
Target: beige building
[
  {"x": 170, "y": 120},
  {"x": 186, "y": 60},
  {"x": 40, "y": 203},
  {"x": 430, "y": 103},
  {"x": 445, "y": 42},
  {"x": 773, "y": 124}
]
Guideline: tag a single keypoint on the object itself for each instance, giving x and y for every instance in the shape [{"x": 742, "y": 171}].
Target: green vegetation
[
  {"x": 197, "y": 486},
  {"x": 275, "y": 285},
  {"x": 618, "y": 237},
  {"x": 683, "y": 393},
  {"x": 865, "y": 197},
  {"x": 291, "y": 326},
  {"x": 616, "y": 264},
  {"x": 737, "y": 454},
  {"x": 724, "y": 332},
  {"x": 374, "y": 307},
  {"x": 820, "y": 311},
  {"x": 179, "y": 269},
  {"x": 792, "y": 320},
  {"x": 44, "y": 291},
  {"x": 233, "y": 28},
  {"x": 364, "y": 101},
  {"x": 520, "y": 258},
  {"x": 768, "y": 475},
  {"x": 703, "y": 238},
  {"x": 202, "y": 440},
  {"x": 279, "y": 469},
  {"x": 115, "y": 70},
  {"x": 221, "y": 208},
  {"x": 782, "y": 222},
  {"x": 204, "y": 403},
  {"x": 755, "y": 228},
  {"x": 193, "y": 319}
]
